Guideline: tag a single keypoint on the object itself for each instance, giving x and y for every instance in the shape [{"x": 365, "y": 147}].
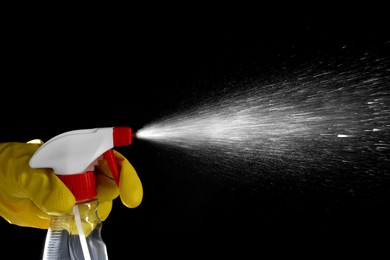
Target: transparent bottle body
[{"x": 65, "y": 240}]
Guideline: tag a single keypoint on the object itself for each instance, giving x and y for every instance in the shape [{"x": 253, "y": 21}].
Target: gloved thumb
[{"x": 47, "y": 191}]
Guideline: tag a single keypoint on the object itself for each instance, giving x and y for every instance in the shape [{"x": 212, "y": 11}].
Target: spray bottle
[{"x": 73, "y": 156}]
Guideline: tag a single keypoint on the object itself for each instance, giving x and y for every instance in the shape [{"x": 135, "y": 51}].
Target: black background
[{"x": 75, "y": 72}]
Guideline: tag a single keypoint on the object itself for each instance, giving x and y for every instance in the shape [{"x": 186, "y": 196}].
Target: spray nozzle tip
[{"x": 122, "y": 136}]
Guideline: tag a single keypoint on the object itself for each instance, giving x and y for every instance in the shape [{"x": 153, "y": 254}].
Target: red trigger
[{"x": 111, "y": 161}]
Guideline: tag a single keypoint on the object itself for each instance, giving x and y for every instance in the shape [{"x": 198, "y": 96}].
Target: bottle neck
[
  {"x": 88, "y": 207},
  {"x": 87, "y": 214}
]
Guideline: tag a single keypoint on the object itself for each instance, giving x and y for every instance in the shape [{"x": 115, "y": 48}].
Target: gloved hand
[
  {"x": 130, "y": 187},
  {"x": 28, "y": 197}
]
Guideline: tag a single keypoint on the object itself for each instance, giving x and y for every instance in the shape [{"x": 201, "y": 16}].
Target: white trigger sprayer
[{"x": 73, "y": 156}]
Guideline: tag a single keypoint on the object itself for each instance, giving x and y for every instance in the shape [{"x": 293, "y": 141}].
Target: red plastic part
[
  {"x": 83, "y": 185},
  {"x": 122, "y": 136},
  {"x": 111, "y": 161}
]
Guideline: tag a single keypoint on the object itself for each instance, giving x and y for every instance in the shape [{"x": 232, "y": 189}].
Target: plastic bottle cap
[{"x": 83, "y": 185}]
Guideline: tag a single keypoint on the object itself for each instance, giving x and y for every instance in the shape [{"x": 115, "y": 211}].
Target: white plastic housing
[{"x": 73, "y": 152}]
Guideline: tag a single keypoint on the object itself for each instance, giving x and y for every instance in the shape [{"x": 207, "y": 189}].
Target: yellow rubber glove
[
  {"x": 130, "y": 187},
  {"x": 28, "y": 197}
]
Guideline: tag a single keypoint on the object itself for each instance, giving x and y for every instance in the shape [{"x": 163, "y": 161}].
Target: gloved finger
[
  {"x": 106, "y": 187},
  {"x": 130, "y": 186},
  {"x": 104, "y": 209}
]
